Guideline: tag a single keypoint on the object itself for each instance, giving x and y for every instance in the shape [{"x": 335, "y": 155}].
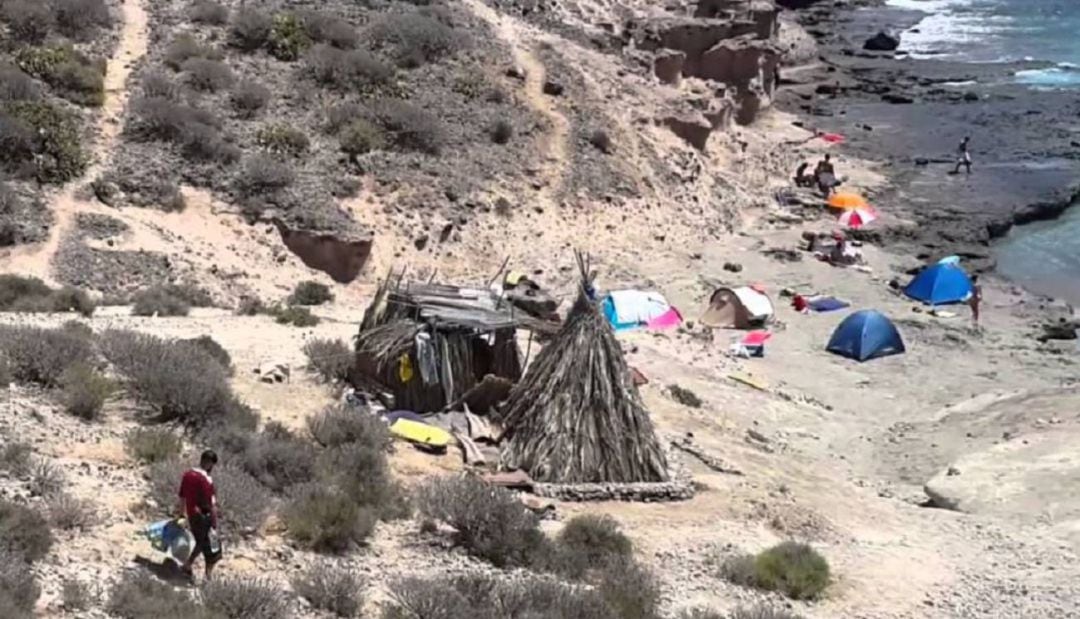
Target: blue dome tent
[
  {"x": 866, "y": 335},
  {"x": 940, "y": 284}
]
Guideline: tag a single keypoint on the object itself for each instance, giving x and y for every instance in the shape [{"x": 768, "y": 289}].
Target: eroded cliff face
[
  {"x": 730, "y": 45},
  {"x": 340, "y": 255}
]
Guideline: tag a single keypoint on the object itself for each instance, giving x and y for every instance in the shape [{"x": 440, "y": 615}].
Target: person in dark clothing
[
  {"x": 825, "y": 176},
  {"x": 802, "y": 179},
  {"x": 963, "y": 156},
  {"x": 975, "y": 300},
  {"x": 198, "y": 502}
]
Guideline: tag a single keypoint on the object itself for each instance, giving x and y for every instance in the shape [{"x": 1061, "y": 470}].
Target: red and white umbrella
[{"x": 857, "y": 217}]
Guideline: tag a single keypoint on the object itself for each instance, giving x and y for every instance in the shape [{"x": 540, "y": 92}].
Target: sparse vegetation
[
  {"x": 72, "y": 75},
  {"x": 85, "y": 391},
  {"x": 45, "y": 137},
  {"x": 324, "y": 28},
  {"x": 333, "y": 589},
  {"x": 684, "y": 396},
  {"x": 29, "y": 294},
  {"x": 248, "y": 98},
  {"x": 335, "y": 426},
  {"x": 601, "y": 141},
  {"x": 185, "y": 47},
  {"x": 361, "y": 473},
  {"x": 589, "y": 542},
  {"x": 409, "y": 127},
  {"x": 482, "y": 595},
  {"x": 41, "y": 356},
  {"x": 67, "y": 512},
  {"x": 197, "y": 132},
  {"x": 360, "y": 137},
  {"x": 326, "y": 520},
  {"x": 157, "y": 84},
  {"x": 244, "y": 598},
  {"x": 288, "y": 37},
  {"x": 792, "y": 568},
  {"x": 330, "y": 359},
  {"x": 45, "y": 478},
  {"x": 250, "y": 306},
  {"x": 19, "y": 590},
  {"x": 209, "y": 12},
  {"x": 295, "y": 316},
  {"x": 211, "y": 347},
  {"x": 349, "y": 70},
  {"x": 282, "y": 139},
  {"x": 278, "y": 459},
  {"x": 630, "y": 590},
  {"x": 76, "y": 596},
  {"x": 414, "y": 39},
  {"x": 29, "y": 21},
  {"x": 208, "y": 75},
  {"x": 501, "y": 132},
  {"x": 139, "y": 595},
  {"x": 24, "y": 531},
  {"x": 152, "y": 445},
  {"x": 310, "y": 293},
  {"x": 16, "y": 85},
  {"x": 261, "y": 175},
  {"x": 250, "y": 29},
  {"x": 489, "y": 522},
  {"x": 759, "y": 611},
  {"x": 79, "y": 19},
  {"x": 158, "y": 301}
]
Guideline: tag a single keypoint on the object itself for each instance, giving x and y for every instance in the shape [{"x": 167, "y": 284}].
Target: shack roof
[{"x": 454, "y": 306}]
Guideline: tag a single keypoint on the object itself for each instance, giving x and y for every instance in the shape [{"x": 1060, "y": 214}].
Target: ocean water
[{"x": 1001, "y": 30}]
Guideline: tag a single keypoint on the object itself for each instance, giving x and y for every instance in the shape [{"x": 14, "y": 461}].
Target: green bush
[
  {"x": 590, "y": 542},
  {"x": 208, "y": 75},
  {"x": 310, "y": 293},
  {"x": 158, "y": 301},
  {"x": 41, "y": 356},
  {"x": 360, "y": 137},
  {"x": 326, "y": 520},
  {"x": 250, "y": 29},
  {"x": 278, "y": 459},
  {"x": 490, "y": 523},
  {"x": 283, "y": 139},
  {"x": 248, "y": 98},
  {"x": 330, "y": 359},
  {"x": 288, "y": 37},
  {"x": 295, "y": 316},
  {"x": 85, "y": 391},
  {"x": 152, "y": 445},
  {"x": 29, "y": 294},
  {"x": 792, "y": 568},
  {"x": 180, "y": 383},
  {"x": 24, "y": 531},
  {"x": 209, "y": 12},
  {"x": 19, "y": 590},
  {"x": 245, "y": 598},
  {"x": 333, "y": 589},
  {"x": 58, "y": 153}
]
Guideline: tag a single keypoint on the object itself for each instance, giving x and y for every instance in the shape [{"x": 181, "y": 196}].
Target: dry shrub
[
  {"x": 69, "y": 513},
  {"x": 326, "y": 520},
  {"x": 409, "y": 127},
  {"x": 157, "y": 84},
  {"x": 85, "y": 391},
  {"x": 483, "y": 595},
  {"x": 601, "y": 141},
  {"x": 139, "y": 595},
  {"x": 29, "y": 21},
  {"x": 185, "y": 47},
  {"x": 792, "y": 568},
  {"x": 325, "y": 28},
  {"x": 414, "y": 39},
  {"x": 250, "y": 29},
  {"x": 152, "y": 445},
  {"x": 702, "y": 613},
  {"x": 16, "y": 85},
  {"x": 24, "y": 531},
  {"x": 295, "y": 316},
  {"x": 209, "y": 12},
  {"x": 248, "y": 98},
  {"x": 338, "y": 425},
  {"x": 630, "y": 590},
  {"x": 41, "y": 356},
  {"x": 208, "y": 75},
  {"x": 76, "y": 596},
  {"x": 360, "y": 137},
  {"x": 330, "y": 359},
  {"x": 349, "y": 70},
  {"x": 310, "y": 293},
  {"x": 15, "y": 458},
  {"x": 283, "y": 139},
  {"x": 288, "y": 37},
  {"x": 589, "y": 542},
  {"x": 262, "y": 175},
  {"x": 158, "y": 301},
  {"x": 211, "y": 347},
  {"x": 19, "y": 590},
  {"x": 79, "y": 19},
  {"x": 72, "y": 75},
  {"x": 30, "y": 294},
  {"x": 489, "y": 521},
  {"x": 501, "y": 132},
  {"x": 197, "y": 132},
  {"x": 330, "y": 588},
  {"x": 42, "y": 139},
  {"x": 278, "y": 459},
  {"x": 361, "y": 473},
  {"x": 250, "y": 306},
  {"x": 45, "y": 478},
  {"x": 684, "y": 396},
  {"x": 243, "y": 502},
  {"x": 758, "y": 611},
  {"x": 180, "y": 383},
  {"x": 245, "y": 598}
]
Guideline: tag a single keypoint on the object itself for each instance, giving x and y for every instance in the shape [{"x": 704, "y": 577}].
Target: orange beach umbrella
[{"x": 847, "y": 200}]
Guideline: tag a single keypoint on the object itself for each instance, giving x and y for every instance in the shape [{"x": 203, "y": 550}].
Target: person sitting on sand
[
  {"x": 975, "y": 299},
  {"x": 963, "y": 156},
  {"x": 802, "y": 179}
]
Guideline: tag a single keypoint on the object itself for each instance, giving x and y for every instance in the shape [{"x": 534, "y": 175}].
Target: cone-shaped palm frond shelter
[{"x": 576, "y": 416}]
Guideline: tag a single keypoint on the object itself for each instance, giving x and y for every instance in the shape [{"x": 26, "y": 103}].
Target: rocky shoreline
[{"x": 909, "y": 114}]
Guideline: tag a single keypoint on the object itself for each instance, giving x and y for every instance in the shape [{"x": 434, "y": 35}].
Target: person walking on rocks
[
  {"x": 963, "y": 156},
  {"x": 975, "y": 299},
  {"x": 198, "y": 502}
]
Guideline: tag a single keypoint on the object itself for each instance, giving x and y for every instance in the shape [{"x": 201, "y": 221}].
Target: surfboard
[{"x": 420, "y": 433}]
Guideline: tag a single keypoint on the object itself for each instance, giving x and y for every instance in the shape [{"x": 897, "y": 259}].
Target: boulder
[
  {"x": 693, "y": 127},
  {"x": 897, "y": 99},
  {"x": 740, "y": 62},
  {"x": 339, "y": 254},
  {"x": 553, "y": 88},
  {"x": 882, "y": 42},
  {"x": 668, "y": 66}
]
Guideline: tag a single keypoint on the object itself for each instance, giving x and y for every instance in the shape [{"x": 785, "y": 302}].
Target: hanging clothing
[
  {"x": 405, "y": 369},
  {"x": 427, "y": 359}
]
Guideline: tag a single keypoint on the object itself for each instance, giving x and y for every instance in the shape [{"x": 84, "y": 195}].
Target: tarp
[
  {"x": 865, "y": 335},
  {"x": 737, "y": 308},
  {"x": 940, "y": 284},
  {"x": 630, "y": 309},
  {"x": 826, "y": 304}
]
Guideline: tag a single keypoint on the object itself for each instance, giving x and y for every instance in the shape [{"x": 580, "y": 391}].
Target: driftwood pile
[{"x": 576, "y": 416}]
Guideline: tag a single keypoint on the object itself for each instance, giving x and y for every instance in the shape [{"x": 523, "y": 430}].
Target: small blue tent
[
  {"x": 940, "y": 284},
  {"x": 866, "y": 335}
]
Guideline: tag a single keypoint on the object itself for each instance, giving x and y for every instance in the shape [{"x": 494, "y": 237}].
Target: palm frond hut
[
  {"x": 576, "y": 416},
  {"x": 429, "y": 344}
]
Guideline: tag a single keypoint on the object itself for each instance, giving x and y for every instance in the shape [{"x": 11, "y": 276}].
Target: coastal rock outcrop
[
  {"x": 882, "y": 42},
  {"x": 339, "y": 255}
]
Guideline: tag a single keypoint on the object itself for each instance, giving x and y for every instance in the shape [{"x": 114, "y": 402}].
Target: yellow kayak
[{"x": 421, "y": 433}]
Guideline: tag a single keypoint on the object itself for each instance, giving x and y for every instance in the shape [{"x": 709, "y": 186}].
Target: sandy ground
[{"x": 847, "y": 446}]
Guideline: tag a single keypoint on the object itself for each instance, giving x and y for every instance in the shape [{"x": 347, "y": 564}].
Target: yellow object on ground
[
  {"x": 847, "y": 200},
  {"x": 749, "y": 380},
  {"x": 422, "y": 433}
]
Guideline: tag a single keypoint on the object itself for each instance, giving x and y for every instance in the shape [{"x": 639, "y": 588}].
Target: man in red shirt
[{"x": 199, "y": 505}]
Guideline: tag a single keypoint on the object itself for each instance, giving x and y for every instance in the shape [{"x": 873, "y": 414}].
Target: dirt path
[
  {"x": 555, "y": 142},
  {"x": 36, "y": 260}
]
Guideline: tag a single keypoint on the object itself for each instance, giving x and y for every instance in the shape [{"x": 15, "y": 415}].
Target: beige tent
[{"x": 738, "y": 308}]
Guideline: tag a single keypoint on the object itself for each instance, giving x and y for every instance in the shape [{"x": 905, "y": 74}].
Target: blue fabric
[
  {"x": 393, "y": 416},
  {"x": 866, "y": 335},
  {"x": 827, "y": 304},
  {"x": 609, "y": 312},
  {"x": 940, "y": 284}
]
